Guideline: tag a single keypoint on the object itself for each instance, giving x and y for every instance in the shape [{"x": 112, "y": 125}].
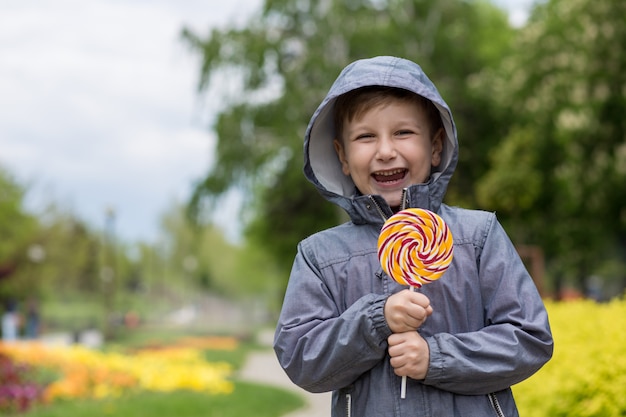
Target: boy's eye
[
  {"x": 364, "y": 136},
  {"x": 404, "y": 132}
]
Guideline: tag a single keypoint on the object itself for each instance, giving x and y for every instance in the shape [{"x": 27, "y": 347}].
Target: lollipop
[{"x": 414, "y": 248}]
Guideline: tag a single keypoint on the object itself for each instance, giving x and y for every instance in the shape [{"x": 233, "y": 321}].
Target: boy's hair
[{"x": 354, "y": 103}]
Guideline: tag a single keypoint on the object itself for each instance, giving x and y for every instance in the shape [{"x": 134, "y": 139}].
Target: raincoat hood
[{"x": 322, "y": 166}]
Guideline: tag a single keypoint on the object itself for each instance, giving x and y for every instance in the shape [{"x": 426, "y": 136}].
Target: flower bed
[
  {"x": 18, "y": 390},
  {"x": 87, "y": 373}
]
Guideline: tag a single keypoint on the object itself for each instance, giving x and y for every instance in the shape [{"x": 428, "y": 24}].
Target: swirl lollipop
[{"x": 415, "y": 248}]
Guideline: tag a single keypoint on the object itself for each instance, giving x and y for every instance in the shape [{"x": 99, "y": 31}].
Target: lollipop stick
[{"x": 403, "y": 386}]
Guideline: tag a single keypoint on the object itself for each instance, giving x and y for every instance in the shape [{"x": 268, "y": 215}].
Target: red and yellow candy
[{"x": 415, "y": 247}]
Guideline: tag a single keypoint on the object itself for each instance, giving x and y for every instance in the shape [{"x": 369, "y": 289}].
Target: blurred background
[{"x": 151, "y": 152}]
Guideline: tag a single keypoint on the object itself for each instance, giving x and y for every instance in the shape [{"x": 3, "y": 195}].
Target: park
[{"x": 96, "y": 323}]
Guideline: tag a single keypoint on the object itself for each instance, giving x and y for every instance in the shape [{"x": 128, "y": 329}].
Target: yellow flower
[{"x": 88, "y": 373}]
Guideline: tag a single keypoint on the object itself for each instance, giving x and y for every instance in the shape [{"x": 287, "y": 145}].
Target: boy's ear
[
  {"x": 437, "y": 147},
  {"x": 341, "y": 153}
]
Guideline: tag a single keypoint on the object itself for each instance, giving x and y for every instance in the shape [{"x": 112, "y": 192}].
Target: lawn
[{"x": 246, "y": 400}]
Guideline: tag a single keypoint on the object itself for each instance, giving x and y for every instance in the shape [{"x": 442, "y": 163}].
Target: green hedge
[{"x": 587, "y": 374}]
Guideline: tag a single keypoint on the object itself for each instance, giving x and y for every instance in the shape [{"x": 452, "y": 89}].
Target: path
[{"x": 263, "y": 367}]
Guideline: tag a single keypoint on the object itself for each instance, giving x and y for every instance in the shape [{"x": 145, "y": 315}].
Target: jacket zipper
[
  {"x": 348, "y": 405},
  {"x": 380, "y": 210},
  {"x": 496, "y": 404},
  {"x": 403, "y": 204},
  {"x": 403, "y": 200}
]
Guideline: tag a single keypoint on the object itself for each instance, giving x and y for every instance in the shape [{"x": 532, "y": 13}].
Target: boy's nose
[{"x": 385, "y": 149}]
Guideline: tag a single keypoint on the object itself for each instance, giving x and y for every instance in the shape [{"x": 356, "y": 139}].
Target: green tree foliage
[
  {"x": 559, "y": 175},
  {"x": 72, "y": 262},
  {"x": 18, "y": 231},
  {"x": 288, "y": 56},
  {"x": 197, "y": 258},
  {"x": 51, "y": 255}
]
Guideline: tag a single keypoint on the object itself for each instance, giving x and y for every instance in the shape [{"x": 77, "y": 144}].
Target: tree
[
  {"x": 193, "y": 262},
  {"x": 19, "y": 232},
  {"x": 287, "y": 58},
  {"x": 558, "y": 177},
  {"x": 48, "y": 255}
]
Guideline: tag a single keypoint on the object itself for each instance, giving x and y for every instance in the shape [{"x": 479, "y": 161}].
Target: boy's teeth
[
  {"x": 387, "y": 176},
  {"x": 388, "y": 173}
]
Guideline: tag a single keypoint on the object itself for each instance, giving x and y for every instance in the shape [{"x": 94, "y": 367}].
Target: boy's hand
[
  {"x": 406, "y": 311},
  {"x": 410, "y": 354}
]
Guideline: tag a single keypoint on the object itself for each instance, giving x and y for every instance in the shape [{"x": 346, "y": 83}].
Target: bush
[{"x": 587, "y": 375}]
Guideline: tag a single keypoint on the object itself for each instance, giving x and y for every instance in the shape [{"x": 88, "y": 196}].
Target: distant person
[
  {"x": 10, "y": 322},
  {"x": 33, "y": 319},
  {"x": 383, "y": 140}
]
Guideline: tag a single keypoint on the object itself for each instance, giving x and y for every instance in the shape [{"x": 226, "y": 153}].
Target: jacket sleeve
[
  {"x": 320, "y": 348},
  {"x": 515, "y": 341}
]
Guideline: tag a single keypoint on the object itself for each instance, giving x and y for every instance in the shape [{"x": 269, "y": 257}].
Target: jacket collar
[{"x": 373, "y": 209}]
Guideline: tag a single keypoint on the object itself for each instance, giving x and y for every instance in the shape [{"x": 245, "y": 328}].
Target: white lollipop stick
[{"x": 403, "y": 386}]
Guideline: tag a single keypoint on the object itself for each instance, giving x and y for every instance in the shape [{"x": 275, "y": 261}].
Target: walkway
[{"x": 263, "y": 367}]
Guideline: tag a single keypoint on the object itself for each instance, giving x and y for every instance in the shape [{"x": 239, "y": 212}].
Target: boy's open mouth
[{"x": 389, "y": 176}]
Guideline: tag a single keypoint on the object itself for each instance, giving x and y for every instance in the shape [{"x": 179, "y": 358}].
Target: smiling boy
[
  {"x": 387, "y": 140},
  {"x": 383, "y": 140}
]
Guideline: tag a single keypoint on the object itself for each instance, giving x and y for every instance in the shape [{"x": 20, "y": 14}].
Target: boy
[{"x": 383, "y": 140}]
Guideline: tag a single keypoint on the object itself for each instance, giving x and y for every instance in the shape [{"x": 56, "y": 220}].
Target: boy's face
[{"x": 389, "y": 148}]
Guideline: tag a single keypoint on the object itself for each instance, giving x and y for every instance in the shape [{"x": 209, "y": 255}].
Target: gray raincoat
[{"x": 489, "y": 329}]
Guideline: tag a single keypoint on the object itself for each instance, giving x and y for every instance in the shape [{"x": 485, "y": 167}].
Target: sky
[{"x": 99, "y": 106}]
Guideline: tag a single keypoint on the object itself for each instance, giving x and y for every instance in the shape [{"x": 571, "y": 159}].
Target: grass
[{"x": 247, "y": 400}]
